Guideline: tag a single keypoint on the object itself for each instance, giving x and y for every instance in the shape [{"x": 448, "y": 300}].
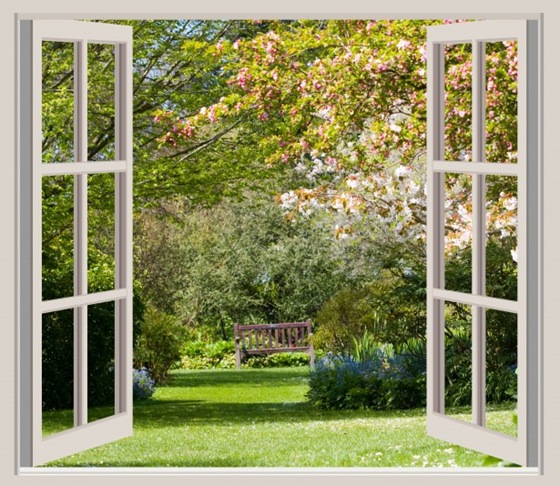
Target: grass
[{"x": 259, "y": 418}]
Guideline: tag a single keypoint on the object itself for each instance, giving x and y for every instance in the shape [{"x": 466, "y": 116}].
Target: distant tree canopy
[{"x": 327, "y": 119}]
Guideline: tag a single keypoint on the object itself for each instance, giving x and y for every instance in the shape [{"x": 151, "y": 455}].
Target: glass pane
[
  {"x": 58, "y": 101},
  {"x": 458, "y": 361},
  {"x": 458, "y": 102},
  {"x": 101, "y": 232},
  {"x": 58, "y": 371},
  {"x": 101, "y": 102},
  {"x": 58, "y": 237},
  {"x": 501, "y": 237},
  {"x": 501, "y": 367},
  {"x": 501, "y": 101},
  {"x": 458, "y": 232},
  {"x": 101, "y": 361}
]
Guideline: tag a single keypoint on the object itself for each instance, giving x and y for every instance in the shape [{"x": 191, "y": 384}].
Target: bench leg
[
  {"x": 237, "y": 358},
  {"x": 311, "y": 357}
]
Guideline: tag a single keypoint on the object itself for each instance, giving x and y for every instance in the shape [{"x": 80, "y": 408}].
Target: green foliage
[
  {"x": 341, "y": 319},
  {"x": 237, "y": 262},
  {"x": 277, "y": 360},
  {"x": 365, "y": 348},
  {"x": 380, "y": 381},
  {"x": 198, "y": 355},
  {"x": 143, "y": 386},
  {"x": 158, "y": 346},
  {"x": 209, "y": 264}
]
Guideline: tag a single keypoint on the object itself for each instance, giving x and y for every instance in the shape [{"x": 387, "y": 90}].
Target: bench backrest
[{"x": 274, "y": 337}]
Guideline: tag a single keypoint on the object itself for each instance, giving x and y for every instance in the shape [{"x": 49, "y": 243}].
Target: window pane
[
  {"x": 458, "y": 232},
  {"x": 458, "y": 101},
  {"x": 101, "y": 102},
  {"x": 501, "y": 237},
  {"x": 501, "y": 366},
  {"x": 501, "y": 101},
  {"x": 58, "y": 237},
  {"x": 101, "y": 232},
  {"x": 58, "y": 371},
  {"x": 58, "y": 101},
  {"x": 101, "y": 361},
  {"x": 458, "y": 361}
]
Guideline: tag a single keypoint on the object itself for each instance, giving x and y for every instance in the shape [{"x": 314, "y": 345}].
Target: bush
[
  {"x": 277, "y": 360},
  {"x": 159, "y": 344},
  {"x": 143, "y": 386},
  {"x": 343, "y": 317},
  {"x": 199, "y": 355},
  {"x": 379, "y": 382}
]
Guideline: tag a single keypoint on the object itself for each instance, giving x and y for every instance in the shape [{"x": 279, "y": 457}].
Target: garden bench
[{"x": 286, "y": 337}]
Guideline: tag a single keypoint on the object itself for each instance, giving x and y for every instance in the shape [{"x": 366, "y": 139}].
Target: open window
[
  {"x": 510, "y": 183},
  {"x": 77, "y": 172},
  {"x": 61, "y": 182}
]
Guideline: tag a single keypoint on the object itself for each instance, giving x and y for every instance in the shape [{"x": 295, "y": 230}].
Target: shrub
[
  {"x": 277, "y": 360},
  {"x": 379, "y": 382},
  {"x": 159, "y": 344},
  {"x": 340, "y": 319},
  {"x": 143, "y": 386},
  {"x": 197, "y": 355}
]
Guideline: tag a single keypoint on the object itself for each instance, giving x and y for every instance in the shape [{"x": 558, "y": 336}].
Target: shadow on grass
[
  {"x": 180, "y": 413},
  {"x": 256, "y": 377}
]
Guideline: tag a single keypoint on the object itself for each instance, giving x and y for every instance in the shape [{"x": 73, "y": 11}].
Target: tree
[
  {"x": 240, "y": 261},
  {"x": 344, "y": 103}
]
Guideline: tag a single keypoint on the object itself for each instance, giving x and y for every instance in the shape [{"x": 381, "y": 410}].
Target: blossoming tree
[{"x": 343, "y": 103}]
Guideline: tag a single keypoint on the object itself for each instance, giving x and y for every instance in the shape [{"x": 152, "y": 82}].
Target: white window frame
[
  {"x": 12, "y": 248},
  {"x": 36, "y": 449},
  {"x": 524, "y": 448}
]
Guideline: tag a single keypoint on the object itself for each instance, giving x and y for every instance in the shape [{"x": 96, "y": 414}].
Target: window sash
[
  {"x": 523, "y": 449},
  {"x": 35, "y": 449}
]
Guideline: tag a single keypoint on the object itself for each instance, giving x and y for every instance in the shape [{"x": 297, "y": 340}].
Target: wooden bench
[{"x": 287, "y": 337}]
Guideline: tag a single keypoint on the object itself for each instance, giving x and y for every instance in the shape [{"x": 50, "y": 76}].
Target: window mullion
[
  {"x": 478, "y": 235},
  {"x": 435, "y": 234},
  {"x": 123, "y": 227},
  {"x": 80, "y": 235}
]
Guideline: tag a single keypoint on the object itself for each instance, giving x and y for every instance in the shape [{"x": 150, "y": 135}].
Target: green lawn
[{"x": 258, "y": 417}]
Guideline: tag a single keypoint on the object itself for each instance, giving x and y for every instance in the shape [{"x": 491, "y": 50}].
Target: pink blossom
[
  {"x": 403, "y": 44},
  {"x": 423, "y": 52},
  {"x": 212, "y": 114},
  {"x": 381, "y": 66}
]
